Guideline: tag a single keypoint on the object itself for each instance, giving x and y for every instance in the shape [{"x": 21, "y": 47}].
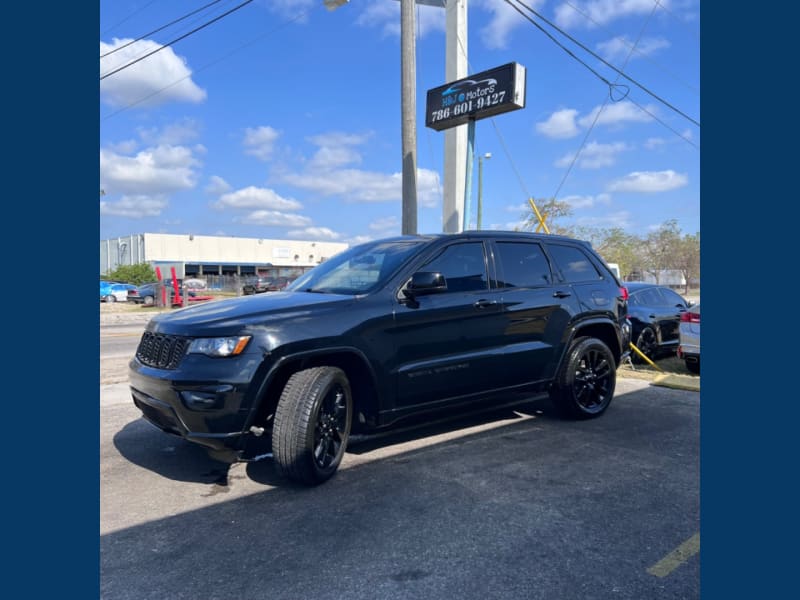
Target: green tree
[
  {"x": 136, "y": 274},
  {"x": 551, "y": 210},
  {"x": 617, "y": 246},
  {"x": 687, "y": 258},
  {"x": 661, "y": 248}
]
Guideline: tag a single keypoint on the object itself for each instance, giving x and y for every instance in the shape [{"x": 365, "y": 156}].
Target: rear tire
[
  {"x": 149, "y": 300},
  {"x": 693, "y": 367},
  {"x": 647, "y": 343},
  {"x": 312, "y": 425},
  {"x": 585, "y": 384}
]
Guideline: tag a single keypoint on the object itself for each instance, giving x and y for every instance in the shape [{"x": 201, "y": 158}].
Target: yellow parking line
[{"x": 677, "y": 557}]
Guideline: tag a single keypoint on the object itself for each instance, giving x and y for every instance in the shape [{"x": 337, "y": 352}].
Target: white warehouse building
[{"x": 204, "y": 255}]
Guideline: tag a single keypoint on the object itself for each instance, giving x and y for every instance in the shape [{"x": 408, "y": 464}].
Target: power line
[
  {"x": 136, "y": 12},
  {"x": 195, "y": 30},
  {"x": 212, "y": 63},
  {"x": 602, "y": 108},
  {"x": 630, "y": 46},
  {"x": 186, "y": 16},
  {"x": 595, "y": 55}
]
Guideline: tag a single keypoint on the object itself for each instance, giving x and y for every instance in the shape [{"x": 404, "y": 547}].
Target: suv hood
[{"x": 228, "y": 317}]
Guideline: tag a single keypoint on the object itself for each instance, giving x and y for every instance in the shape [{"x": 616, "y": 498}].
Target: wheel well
[
  {"x": 605, "y": 333},
  {"x": 362, "y": 384}
]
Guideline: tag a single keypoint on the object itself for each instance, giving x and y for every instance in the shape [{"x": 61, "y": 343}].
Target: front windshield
[{"x": 358, "y": 270}]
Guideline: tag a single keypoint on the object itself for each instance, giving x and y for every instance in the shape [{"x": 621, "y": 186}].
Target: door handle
[
  {"x": 484, "y": 303},
  {"x": 560, "y": 294}
]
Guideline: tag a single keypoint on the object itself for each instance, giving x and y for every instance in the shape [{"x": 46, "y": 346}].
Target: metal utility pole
[
  {"x": 408, "y": 67},
  {"x": 487, "y": 156},
  {"x": 455, "y": 139}
]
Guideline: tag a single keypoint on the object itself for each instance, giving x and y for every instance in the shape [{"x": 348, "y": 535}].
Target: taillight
[
  {"x": 624, "y": 293},
  {"x": 690, "y": 317}
]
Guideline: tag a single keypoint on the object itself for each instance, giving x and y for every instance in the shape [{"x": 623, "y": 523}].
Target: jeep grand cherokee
[{"x": 385, "y": 330}]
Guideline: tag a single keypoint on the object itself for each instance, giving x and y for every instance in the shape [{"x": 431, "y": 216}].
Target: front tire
[
  {"x": 111, "y": 298},
  {"x": 585, "y": 384},
  {"x": 312, "y": 425}
]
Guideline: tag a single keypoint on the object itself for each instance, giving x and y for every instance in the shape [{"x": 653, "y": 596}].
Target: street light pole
[{"x": 487, "y": 156}]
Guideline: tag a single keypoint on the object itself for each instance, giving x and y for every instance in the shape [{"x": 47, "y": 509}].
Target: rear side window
[
  {"x": 573, "y": 263},
  {"x": 523, "y": 265}
]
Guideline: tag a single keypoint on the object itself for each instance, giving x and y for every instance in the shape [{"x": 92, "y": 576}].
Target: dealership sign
[{"x": 478, "y": 96}]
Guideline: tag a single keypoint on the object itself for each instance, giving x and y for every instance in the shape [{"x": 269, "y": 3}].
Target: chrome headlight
[{"x": 221, "y": 346}]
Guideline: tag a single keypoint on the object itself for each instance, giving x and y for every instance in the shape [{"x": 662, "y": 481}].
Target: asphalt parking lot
[{"x": 510, "y": 504}]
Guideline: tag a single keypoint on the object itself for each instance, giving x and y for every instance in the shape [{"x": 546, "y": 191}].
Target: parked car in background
[
  {"x": 195, "y": 284},
  {"x": 655, "y": 312},
  {"x": 280, "y": 283},
  {"x": 149, "y": 292},
  {"x": 257, "y": 285},
  {"x": 689, "y": 339},
  {"x": 116, "y": 292},
  {"x": 386, "y": 331},
  {"x": 146, "y": 294},
  {"x": 105, "y": 288}
]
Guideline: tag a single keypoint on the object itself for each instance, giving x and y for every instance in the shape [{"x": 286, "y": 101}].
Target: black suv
[{"x": 380, "y": 332}]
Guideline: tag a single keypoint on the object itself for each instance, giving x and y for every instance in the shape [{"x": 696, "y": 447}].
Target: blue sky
[{"x": 282, "y": 120}]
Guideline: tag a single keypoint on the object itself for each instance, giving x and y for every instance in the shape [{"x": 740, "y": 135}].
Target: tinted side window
[
  {"x": 574, "y": 265},
  {"x": 672, "y": 298},
  {"x": 648, "y": 297},
  {"x": 463, "y": 267},
  {"x": 522, "y": 265}
]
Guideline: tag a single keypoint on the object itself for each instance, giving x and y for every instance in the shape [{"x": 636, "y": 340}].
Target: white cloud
[
  {"x": 314, "y": 233},
  {"x": 217, "y": 186},
  {"x": 359, "y": 239},
  {"x": 134, "y": 207},
  {"x": 175, "y": 134},
  {"x": 158, "y": 170},
  {"x": 260, "y": 141},
  {"x": 253, "y": 197},
  {"x": 385, "y": 224},
  {"x": 620, "y": 219},
  {"x": 295, "y": 9},
  {"x": 649, "y": 181},
  {"x": 158, "y": 79},
  {"x": 594, "y": 155},
  {"x": 496, "y": 35},
  {"x": 274, "y": 218},
  {"x": 335, "y": 150},
  {"x": 354, "y": 185},
  {"x": 559, "y": 125},
  {"x": 654, "y": 142},
  {"x": 518, "y": 208},
  {"x": 616, "y": 113},
  {"x": 600, "y": 12},
  {"x": 579, "y": 202},
  {"x": 619, "y": 48},
  {"x": 385, "y": 15}
]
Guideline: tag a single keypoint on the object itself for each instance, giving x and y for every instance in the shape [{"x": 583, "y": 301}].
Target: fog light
[{"x": 197, "y": 400}]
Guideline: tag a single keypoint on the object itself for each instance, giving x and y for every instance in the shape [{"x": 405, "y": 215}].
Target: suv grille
[{"x": 161, "y": 351}]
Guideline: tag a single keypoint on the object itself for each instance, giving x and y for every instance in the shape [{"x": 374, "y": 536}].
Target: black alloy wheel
[
  {"x": 312, "y": 424},
  {"x": 331, "y": 429},
  {"x": 585, "y": 385},
  {"x": 647, "y": 344}
]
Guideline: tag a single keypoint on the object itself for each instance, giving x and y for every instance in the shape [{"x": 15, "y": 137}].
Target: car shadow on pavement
[
  {"x": 168, "y": 456},
  {"x": 179, "y": 460}
]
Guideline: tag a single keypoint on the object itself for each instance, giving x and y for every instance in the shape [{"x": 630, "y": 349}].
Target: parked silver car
[{"x": 689, "y": 334}]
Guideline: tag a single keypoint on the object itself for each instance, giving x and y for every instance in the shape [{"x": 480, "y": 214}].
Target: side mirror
[{"x": 424, "y": 283}]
